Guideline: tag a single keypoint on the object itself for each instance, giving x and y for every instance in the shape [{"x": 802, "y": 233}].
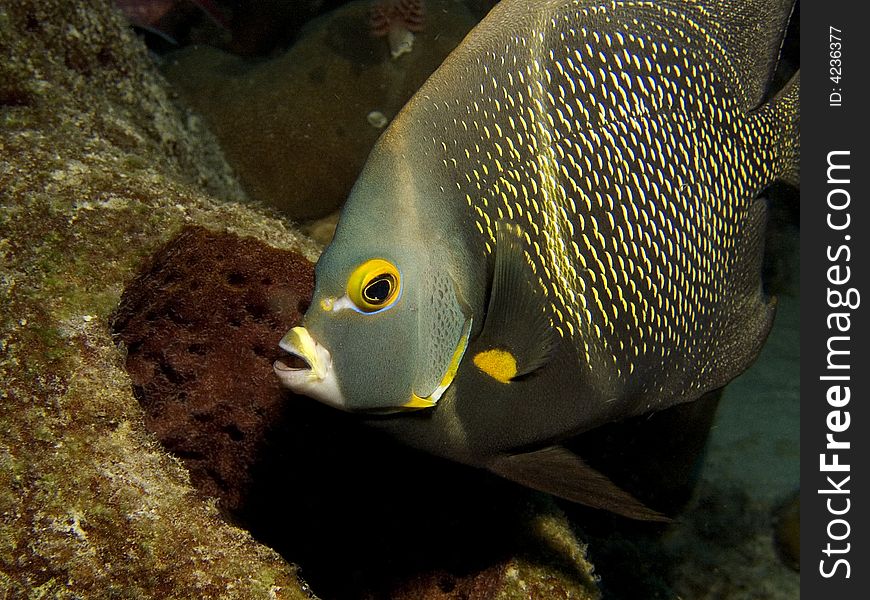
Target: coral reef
[
  {"x": 730, "y": 539},
  {"x": 262, "y": 27},
  {"x": 144, "y": 13},
  {"x": 165, "y": 18},
  {"x": 322, "y": 230},
  {"x": 97, "y": 169},
  {"x": 480, "y": 7},
  {"x": 295, "y": 127}
]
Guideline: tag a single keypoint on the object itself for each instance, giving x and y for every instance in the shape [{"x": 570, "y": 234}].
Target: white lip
[{"x": 318, "y": 379}]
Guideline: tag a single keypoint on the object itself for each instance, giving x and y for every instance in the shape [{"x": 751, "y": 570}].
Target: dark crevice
[{"x": 236, "y": 279}]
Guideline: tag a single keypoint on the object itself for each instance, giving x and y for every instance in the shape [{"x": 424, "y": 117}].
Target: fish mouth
[{"x": 309, "y": 369}]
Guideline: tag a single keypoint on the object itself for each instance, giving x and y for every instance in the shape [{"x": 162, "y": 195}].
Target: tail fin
[{"x": 786, "y": 109}]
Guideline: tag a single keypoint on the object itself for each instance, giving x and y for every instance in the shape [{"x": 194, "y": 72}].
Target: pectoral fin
[
  {"x": 557, "y": 471},
  {"x": 517, "y": 337}
]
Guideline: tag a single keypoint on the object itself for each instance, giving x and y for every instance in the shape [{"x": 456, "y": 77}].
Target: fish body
[{"x": 560, "y": 230}]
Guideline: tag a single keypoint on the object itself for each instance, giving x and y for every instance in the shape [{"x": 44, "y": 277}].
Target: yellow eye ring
[{"x": 374, "y": 285}]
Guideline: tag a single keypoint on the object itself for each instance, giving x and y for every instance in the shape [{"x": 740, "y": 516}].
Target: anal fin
[{"x": 558, "y": 471}]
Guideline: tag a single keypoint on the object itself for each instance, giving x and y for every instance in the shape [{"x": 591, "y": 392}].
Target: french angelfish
[{"x": 559, "y": 230}]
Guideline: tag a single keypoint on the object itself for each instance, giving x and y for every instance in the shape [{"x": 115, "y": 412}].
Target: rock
[
  {"x": 98, "y": 168},
  {"x": 322, "y": 230},
  {"x": 295, "y": 127}
]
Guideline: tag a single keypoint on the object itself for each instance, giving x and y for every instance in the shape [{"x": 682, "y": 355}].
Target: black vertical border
[{"x": 826, "y": 128}]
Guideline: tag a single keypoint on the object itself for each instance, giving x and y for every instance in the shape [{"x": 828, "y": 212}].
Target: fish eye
[
  {"x": 374, "y": 285},
  {"x": 379, "y": 289}
]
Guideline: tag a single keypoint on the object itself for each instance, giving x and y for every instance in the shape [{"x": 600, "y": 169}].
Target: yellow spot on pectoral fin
[{"x": 498, "y": 364}]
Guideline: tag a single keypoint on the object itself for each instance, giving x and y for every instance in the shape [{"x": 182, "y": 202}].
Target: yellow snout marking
[{"x": 498, "y": 364}]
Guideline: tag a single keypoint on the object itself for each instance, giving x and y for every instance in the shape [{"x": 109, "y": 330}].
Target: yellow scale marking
[{"x": 621, "y": 122}]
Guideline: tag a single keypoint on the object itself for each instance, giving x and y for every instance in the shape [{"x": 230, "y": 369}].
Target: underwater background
[{"x": 169, "y": 171}]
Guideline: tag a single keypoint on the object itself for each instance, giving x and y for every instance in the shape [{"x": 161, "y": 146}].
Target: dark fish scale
[{"x": 652, "y": 152}]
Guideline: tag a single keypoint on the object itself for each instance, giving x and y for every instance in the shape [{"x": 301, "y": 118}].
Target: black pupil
[{"x": 378, "y": 289}]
